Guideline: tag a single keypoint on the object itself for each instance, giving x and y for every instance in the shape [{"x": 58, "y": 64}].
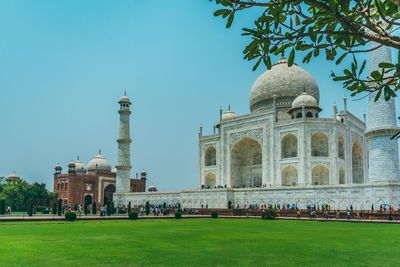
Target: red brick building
[{"x": 94, "y": 184}]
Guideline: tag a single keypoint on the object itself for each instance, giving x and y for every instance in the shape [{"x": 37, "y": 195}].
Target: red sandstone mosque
[{"x": 96, "y": 183}]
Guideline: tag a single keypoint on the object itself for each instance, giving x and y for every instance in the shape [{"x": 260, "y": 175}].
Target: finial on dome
[
  {"x": 99, "y": 151},
  {"x": 283, "y": 54},
  {"x": 77, "y": 157},
  {"x": 304, "y": 88},
  {"x": 229, "y": 107},
  {"x": 125, "y": 93}
]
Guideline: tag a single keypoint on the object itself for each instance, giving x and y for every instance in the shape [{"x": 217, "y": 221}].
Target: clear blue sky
[{"x": 65, "y": 64}]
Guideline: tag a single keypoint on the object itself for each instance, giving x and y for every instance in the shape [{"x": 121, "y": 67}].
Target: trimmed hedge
[
  {"x": 269, "y": 215},
  {"x": 178, "y": 215},
  {"x": 70, "y": 216},
  {"x": 133, "y": 215},
  {"x": 214, "y": 214}
]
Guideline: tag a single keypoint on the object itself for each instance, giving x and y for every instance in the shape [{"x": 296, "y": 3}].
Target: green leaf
[
  {"x": 341, "y": 58},
  {"x": 387, "y": 92},
  {"x": 386, "y": 65},
  {"x": 376, "y": 75},
  {"x": 378, "y": 95},
  {"x": 297, "y": 21},
  {"x": 362, "y": 67},
  {"x": 230, "y": 20},
  {"x": 256, "y": 65},
  {"x": 291, "y": 58},
  {"x": 221, "y": 12}
]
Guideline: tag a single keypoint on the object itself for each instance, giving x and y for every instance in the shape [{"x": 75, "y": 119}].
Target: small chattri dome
[
  {"x": 99, "y": 163},
  {"x": 13, "y": 177},
  {"x": 79, "y": 167},
  {"x": 228, "y": 115},
  {"x": 152, "y": 188},
  {"x": 124, "y": 100},
  {"x": 304, "y": 100},
  {"x": 114, "y": 170},
  {"x": 58, "y": 167}
]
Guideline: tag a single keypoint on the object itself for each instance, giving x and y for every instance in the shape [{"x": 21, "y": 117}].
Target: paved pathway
[{"x": 19, "y": 217}]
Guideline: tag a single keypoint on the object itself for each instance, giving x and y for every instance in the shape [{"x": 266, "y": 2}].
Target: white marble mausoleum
[{"x": 283, "y": 152}]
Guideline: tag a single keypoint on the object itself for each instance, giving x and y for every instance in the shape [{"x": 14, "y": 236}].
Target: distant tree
[
  {"x": 54, "y": 211},
  {"x": 2, "y": 206},
  {"x": 94, "y": 208},
  {"x": 334, "y": 28},
  {"x": 29, "y": 207}
]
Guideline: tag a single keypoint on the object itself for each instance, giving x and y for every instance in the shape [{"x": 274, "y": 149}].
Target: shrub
[
  {"x": 214, "y": 214},
  {"x": 178, "y": 215},
  {"x": 112, "y": 208},
  {"x": 108, "y": 208},
  {"x": 59, "y": 207},
  {"x": 86, "y": 210},
  {"x": 133, "y": 215},
  {"x": 269, "y": 215},
  {"x": 147, "y": 208},
  {"x": 70, "y": 216},
  {"x": 129, "y": 207},
  {"x": 94, "y": 208},
  {"x": 29, "y": 207},
  {"x": 2, "y": 206}
]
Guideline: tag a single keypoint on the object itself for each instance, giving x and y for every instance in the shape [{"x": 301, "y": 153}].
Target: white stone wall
[{"x": 337, "y": 196}]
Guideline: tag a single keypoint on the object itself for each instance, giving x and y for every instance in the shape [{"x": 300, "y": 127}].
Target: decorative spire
[
  {"x": 283, "y": 54},
  {"x": 77, "y": 157},
  {"x": 99, "y": 151},
  {"x": 229, "y": 107},
  {"x": 125, "y": 93}
]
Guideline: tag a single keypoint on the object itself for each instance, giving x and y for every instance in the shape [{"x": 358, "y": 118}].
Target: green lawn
[{"x": 199, "y": 242}]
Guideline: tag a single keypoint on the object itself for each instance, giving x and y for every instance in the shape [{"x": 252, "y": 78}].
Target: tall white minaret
[
  {"x": 124, "y": 151},
  {"x": 383, "y": 152}
]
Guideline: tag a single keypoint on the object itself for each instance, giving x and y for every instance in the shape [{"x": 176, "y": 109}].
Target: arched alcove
[
  {"x": 357, "y": 163},
  {"x": 341, "y": 147},
  {"x": 289, "y": 146},
  {"x": 289, "y": 176},
  {"x": 309, "y": 114},
  {"x": 341, "y": 176},
  {"x": 319, "y": 145},
  {"x": 210, "y": 156},
  {"x": 320, "y": 175},
  {"x": 210, "y": 180},
  {"x": 246, "y": 163}
]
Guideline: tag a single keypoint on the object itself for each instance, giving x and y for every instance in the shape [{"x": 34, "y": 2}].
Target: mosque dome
[
  {"x": 304, "y": 100},
  {"x": 79, "y": 167},
  {"x": 99, "y": 163},
  {"x": 282, "y": 82},
  {"x": 152, "y": 188},
  {"x": 228, "y": 115},
  {"x": 13, "y": 177}
]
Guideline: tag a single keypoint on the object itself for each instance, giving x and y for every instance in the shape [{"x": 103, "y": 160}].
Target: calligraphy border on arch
[{"x": 256, "y": 134}]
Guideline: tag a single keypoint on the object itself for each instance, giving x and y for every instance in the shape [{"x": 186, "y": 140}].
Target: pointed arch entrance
[
  {"x": 108, "y": 193},
  {"x": 246, "y": 163}
]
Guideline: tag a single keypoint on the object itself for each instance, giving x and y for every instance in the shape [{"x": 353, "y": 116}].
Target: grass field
[{"x": 199, "y": 242}]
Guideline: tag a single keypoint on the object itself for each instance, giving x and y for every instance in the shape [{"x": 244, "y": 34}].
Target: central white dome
[
  {"x": 282, "y": 82},
  {"x": 99, "y": 163}
]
